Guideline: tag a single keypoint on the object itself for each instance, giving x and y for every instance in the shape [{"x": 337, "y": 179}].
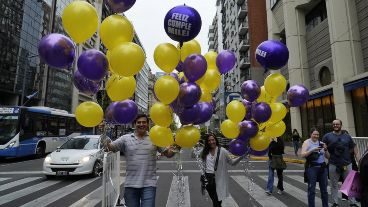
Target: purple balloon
[
  {"x": 179, "y": 67},
  {"x": 189, "y": 115},
  {"x": 57, "y": 50},
  {"x": 125, "y": 112},
  {"x": 272, "y": 54},
  {"x": 93, "y": 64},
  {"x": 176, "y": 107},
  {"x": 297, "y": 95},
  {"x": 189, "y": 94},
  {"x": 258, "y": 153},
  {"x": 174, "y": 75},
  {"x": 248, "y": 106},
  {"x": 182, "y": 80},
  {"x": 250, "y": 90},
  {"x": 120, "y": 6},
  {"x": 85, "y": 85},
  {"x": 205, "y": 112},
  {"x": 225, "y": 61},
  {"x": 194, "y": 67},
  {"x": 109, "y": 111},
  {"x": 182, "y": 23},
  {"x": 261, "y": 112},
  {"x": 248, "y": 129},
  {"x": 237, "y": 147}
]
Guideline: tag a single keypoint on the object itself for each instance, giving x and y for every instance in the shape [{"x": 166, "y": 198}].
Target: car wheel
[
  {"x": 40, "y": 151},
  {"x": 96, "y": 172},
  {"x": 49, "y": 177}
]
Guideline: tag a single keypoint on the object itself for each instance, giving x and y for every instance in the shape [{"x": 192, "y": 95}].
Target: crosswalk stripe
[
  {"x": 18, "y": 182},
  {"x": 172, "y": 199},
  {"x": 258, "y": 193},
  {"x": 229, "y": 202},
  {"x": 300, "y": 179},
  {"x": 18, "y": 194},
  {"x": 296, "y": 192},
  {"x": 93, "y": 198},
  {"x": 58, "y": 194},
  {"x": 3, "y": 179}
]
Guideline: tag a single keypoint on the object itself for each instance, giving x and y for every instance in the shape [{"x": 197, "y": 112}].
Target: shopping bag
[{"x": 351, "y": 186}]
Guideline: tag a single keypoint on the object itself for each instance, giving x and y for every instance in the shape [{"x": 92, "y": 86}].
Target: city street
[{"x": 23, "y": 184}]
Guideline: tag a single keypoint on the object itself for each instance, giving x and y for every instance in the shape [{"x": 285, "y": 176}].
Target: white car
[{"x": 79, "y": 155}]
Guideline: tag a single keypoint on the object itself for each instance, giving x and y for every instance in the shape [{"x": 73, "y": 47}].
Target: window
[
  {"x": 53, "y": 129},
  {"x": 316, "y": 16},
  {"x": 360, "y": 109},
  {"x": 40, "y": 125},
  {"x": 324, "y": 76}
]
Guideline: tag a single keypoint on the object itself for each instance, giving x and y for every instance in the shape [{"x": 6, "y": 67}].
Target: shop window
[{"x": 360, "y": 110}]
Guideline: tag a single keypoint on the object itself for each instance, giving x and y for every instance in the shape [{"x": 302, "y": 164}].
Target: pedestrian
[
  {"x": 141, "y": 180},
  {"x": 339, "y": 145},
  {"x": 363, "y": 166},
  {"x": 315, "y": 153},
  {"x": 295, "y": 139},
  {"x": 216, "y": 159},
  {"x": 276, "y": 162}
]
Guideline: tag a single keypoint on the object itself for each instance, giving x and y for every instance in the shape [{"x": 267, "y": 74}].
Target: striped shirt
[{"x": 140, "y": 160}]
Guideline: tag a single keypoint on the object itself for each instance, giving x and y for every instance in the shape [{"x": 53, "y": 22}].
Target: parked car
[{"x": 79, "y": 155}]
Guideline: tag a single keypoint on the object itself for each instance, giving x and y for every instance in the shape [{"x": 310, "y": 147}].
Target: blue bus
[{"x": 35, "y": 130}]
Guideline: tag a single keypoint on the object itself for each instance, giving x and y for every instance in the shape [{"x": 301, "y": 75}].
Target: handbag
[
  {"x": 277, "y": 162},
  {"x": 204, "y": 180},
  {"x": 351, "y": 186}
]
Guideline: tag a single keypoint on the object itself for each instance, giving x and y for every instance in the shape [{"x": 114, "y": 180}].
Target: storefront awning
[
  {"x": 356, "y": 84},
  {"x": 320, "y": 94}
]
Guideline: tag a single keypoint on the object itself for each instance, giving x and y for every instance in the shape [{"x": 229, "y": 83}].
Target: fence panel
[
  {"x": 362, "y": 143},
  {"x": 111, "y": 179}
]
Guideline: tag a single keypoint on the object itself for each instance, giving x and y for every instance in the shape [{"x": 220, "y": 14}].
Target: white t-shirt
[{"x": 210, "y": 163}]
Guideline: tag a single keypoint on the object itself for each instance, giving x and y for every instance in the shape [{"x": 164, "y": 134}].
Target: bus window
[
  {"x": 40, "y": 125},
  {"x": 62, "y": 126},
  {"x": 52, "y": 129},
  {"x": 27, "y": 126}
]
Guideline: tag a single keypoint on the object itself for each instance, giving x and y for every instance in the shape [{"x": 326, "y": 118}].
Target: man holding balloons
[{"x": 141, "y": 180}]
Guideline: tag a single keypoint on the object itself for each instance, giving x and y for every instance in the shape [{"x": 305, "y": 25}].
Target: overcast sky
[{"x": 147, "y": 17}]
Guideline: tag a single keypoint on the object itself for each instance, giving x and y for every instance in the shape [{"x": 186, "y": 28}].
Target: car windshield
[
  {"x": 80, "y": 143},
  {"x": 8, "y": 127}
]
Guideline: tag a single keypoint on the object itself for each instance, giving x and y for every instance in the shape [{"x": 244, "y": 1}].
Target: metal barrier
[
  {"x": 111, "y": 179},
  {"x": 362, "y": 144}
]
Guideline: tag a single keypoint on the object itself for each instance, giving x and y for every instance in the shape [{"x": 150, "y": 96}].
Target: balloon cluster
[
  {"x": 187, "y": 93},
  {"x": 124, "y": 59},
  {"x": 256, "y": 119}
]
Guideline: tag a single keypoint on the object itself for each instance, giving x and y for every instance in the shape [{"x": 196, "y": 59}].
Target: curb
[{"x": 288, "y": 160}]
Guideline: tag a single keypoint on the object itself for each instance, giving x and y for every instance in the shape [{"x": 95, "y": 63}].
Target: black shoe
[{"x": 335, "y": 205}]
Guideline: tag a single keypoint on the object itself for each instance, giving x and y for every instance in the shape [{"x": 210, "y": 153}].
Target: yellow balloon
[
  {"x": 108, "y": 56},
  {"x": 211, "y": 79},
  {"x": 116, "y": 29},
  {"x": 119, "y": 88},
  {"x": 206, "y": 95},
  {"x": 188, "y": 48},
  {"x": 127, "y": 59},
  {"x": 210, "y": 57},
  {"x": 161, "y": 136},
  {"x": 161, "y": 114},
  {"x": 260, "y": 142},
  {"x": 276, "y": 129},
  {"x": 229, "y": 129},
  {"x": 235, "y": 111},
  {"x": 278, "y": 112},
  {"x": 275, "y": 84},
  {"x": 264, "y": 96},
  {"x": 166, "y": 89},
  {"x": 89, "y": 114},
  {"x": 187, "y": 136},
  {"x": 80, "y": 20},
  {"x": 166, "y": 57}
]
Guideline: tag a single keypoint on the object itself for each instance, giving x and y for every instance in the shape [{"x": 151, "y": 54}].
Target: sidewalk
[{"x": 289, "y": 155}]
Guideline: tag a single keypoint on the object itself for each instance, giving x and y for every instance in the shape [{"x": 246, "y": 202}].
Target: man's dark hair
[
  {"x": 140, "y": 116},
  {"x": 339, "y": 121}
]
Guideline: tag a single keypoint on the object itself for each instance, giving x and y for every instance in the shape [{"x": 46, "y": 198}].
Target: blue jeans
[
  {"x": 315, "y": 175},
  {"x": 296, "y": 147},
  {"x": 140, "y": 197},
  {"x": 271, "y": 173}
]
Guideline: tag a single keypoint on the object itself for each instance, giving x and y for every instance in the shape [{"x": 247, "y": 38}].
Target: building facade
[{"x": 328, "y": 45}]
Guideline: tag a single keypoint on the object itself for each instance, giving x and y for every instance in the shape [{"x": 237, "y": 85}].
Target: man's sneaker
[
  {"x": 335, "y": 205},
  {"x": 268, "y": 192},
  {"x": 280, "y": 192}
]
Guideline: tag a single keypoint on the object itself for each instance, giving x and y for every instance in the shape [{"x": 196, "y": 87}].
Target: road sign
[{"x": 229, "y": 96}]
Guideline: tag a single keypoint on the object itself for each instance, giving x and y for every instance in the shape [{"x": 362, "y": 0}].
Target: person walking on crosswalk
[
  {"x": 276, "y": 162},
  {"x": 315, "y": 153},
  {"x": 141, "y": 180},
  {"x": 215, "y": 160},
  {"x": 339, "y": 145}
]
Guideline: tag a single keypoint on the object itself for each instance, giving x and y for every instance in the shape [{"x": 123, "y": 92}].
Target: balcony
[
  {"x": 240, "y": 2},
  {"x": 211, "y": 36},
  {"x": 211, "y": 44},
  {"x": 243, "y": 10},
  {"x": 243, "y": 28},
  {"x": 243, "y": 46},
  {"x": 244, "y": 62}
]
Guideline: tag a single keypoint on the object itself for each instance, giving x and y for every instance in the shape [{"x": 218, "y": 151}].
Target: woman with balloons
[{"x": 216, "y": 159}]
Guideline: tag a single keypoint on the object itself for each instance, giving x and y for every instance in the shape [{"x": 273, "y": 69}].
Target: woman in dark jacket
[{"x": 276, "y": 149}]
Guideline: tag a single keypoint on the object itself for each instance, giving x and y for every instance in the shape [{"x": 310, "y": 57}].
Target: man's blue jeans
[
  {"x": 140, "y": 197},
  {"x": 312, "y": 173}
]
